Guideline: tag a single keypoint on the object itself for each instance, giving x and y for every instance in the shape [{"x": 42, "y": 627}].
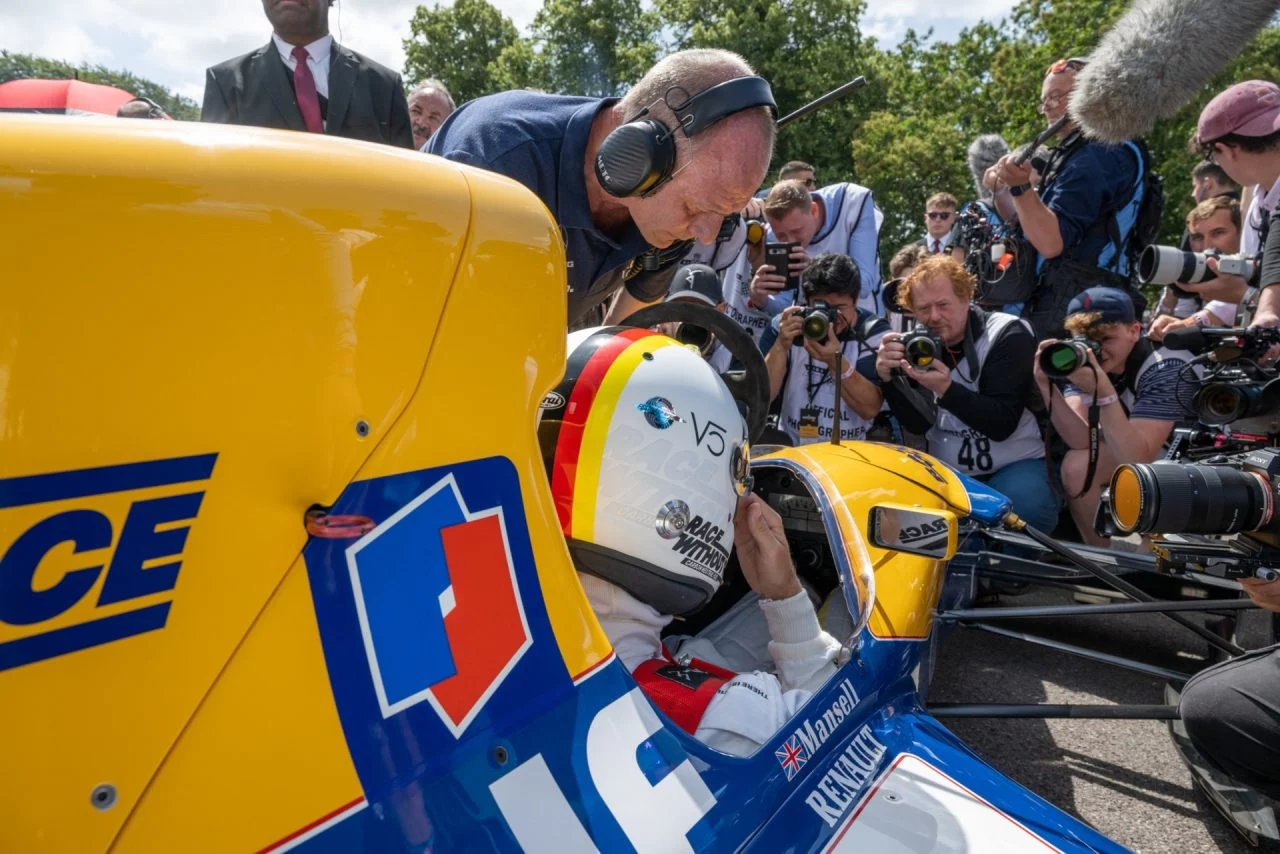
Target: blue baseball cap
[{"x": 1114, "y": 305}]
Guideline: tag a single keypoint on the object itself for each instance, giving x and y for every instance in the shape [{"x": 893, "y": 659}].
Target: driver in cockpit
[{"x": 648, "y": 459}]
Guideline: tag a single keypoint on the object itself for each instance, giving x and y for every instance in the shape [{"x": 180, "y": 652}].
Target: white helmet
[{"x": 647, "y": 454}]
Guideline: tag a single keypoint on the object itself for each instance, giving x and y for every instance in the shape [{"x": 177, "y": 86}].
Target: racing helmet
[{"x": 647, "y": 454}]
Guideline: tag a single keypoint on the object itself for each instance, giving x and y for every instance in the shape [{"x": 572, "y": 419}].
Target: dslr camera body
[
  {"x": 922, "y": 347},
  {"x": 818, "y": 320}
]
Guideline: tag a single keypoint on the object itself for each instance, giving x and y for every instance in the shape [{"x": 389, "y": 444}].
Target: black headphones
[{"x": 640, "y": 156}]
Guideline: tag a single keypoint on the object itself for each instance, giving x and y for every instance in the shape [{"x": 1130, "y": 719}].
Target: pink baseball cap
[{"x": 1251, "y": 108}]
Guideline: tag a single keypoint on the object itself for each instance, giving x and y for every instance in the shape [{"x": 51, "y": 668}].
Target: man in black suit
[{"x": 304, "y": 80}]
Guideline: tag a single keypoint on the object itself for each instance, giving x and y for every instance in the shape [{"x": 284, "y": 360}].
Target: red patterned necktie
[{"x": 304, "y": 87}]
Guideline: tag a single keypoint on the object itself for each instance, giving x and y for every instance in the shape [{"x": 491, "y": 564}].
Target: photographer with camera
[
  {"x": 1121, "y": 400},
  {"x": 802, "y": 360},
  {"x": 1090, "y": 203},
  {"x": 1240, "y": 131},
  {"x": 840, "y": 218},
  {"x": 1214, "y": 227},
  {"x": 962, "y": 379},
  {"x": 698, "y": 283}
]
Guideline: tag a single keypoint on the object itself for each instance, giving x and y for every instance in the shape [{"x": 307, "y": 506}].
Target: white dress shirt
[{"x": 318, "y": 53}]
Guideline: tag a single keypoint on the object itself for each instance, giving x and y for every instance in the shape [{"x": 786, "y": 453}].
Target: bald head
[{"x": 689, "y": 72}]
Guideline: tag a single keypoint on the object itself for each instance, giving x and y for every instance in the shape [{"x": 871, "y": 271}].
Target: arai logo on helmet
[
  {"x": 553, "y": 400},
  {"x": 659, "y": 412}
]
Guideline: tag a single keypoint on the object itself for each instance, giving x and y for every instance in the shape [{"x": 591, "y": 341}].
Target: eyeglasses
[
  {"x": 940, "y": 214},
  {"x": 1048, "y": 102},
  {"x": 811, "y": 183},
  {"x": 1209, "y": 150},
  {"x": 1073, "y": 64}
]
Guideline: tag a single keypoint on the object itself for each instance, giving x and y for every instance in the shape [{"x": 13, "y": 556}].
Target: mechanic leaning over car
[
  {"x": 651, "y": 521},
  {"x": 969, "y": 401},
  {"x": 619, "y": 177},
  {"x": 1137, "y": 390}
]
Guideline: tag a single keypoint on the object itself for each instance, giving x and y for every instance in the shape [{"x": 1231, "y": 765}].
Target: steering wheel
[{"x": 750, "y": 387}]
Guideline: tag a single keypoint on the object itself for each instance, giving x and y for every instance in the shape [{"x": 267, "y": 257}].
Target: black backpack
[{"x": 1146, "y": 227}]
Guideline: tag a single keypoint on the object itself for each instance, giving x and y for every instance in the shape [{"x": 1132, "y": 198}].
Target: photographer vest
[
  {"x": 809, "y": 384},
  {"x": 965, "y": 449}
]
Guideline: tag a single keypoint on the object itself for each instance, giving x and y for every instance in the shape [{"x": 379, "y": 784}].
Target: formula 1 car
[{"x": 281, "y": 568}]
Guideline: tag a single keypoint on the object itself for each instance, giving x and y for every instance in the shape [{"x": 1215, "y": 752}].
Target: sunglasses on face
[
  {"x": 1209, "y": 151},
  {"x": 811, "y": 183},
  {"x": 939, "y": 214}
]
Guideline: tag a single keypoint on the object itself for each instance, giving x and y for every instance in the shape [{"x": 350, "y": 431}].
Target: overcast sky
[{"x": 172, "y": 42}]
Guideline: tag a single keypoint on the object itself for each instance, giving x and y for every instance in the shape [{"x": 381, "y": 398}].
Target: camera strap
[{"x": 1094, "y": 417}]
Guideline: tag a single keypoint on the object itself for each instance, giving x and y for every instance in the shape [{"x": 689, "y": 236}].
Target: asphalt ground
[{"x": 1123, "y": 777}]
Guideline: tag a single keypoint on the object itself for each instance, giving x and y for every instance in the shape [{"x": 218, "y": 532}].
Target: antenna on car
[{"x": 818, "y": 103}]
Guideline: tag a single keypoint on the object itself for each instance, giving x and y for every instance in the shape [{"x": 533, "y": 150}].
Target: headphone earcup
[{"x": 635, "y": 158}]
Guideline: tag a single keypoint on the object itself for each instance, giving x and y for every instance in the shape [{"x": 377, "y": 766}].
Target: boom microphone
[{"x": 1156, "y": 58}]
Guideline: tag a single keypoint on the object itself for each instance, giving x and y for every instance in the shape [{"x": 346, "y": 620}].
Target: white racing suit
[{"x": 745, "y": 709}]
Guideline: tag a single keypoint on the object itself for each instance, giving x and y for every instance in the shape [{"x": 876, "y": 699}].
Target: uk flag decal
[
  {"x": 439, "y": 605},
  {"x": 792, "y": 756}
]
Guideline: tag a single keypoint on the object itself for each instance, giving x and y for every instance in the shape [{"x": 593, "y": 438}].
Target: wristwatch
[{"x": 1019, "y": 190}]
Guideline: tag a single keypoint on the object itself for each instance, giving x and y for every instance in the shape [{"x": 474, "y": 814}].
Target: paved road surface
[{"x": 1122, "y": 777}]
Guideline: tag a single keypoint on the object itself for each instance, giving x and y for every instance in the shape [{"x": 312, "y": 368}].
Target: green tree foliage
[
  {"x": 460, "y": 45},
  {"x": 988, "y": 81},
  {"x": 596, "y": 47},
  {"x": 22, "y": 66},
  {"x": 805, "y": 48}
]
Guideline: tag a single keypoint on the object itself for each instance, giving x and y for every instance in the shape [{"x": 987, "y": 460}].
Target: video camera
[
  {"x": 997, "y": 255},
  {"x": 1235, "y": 389},
  {"x": 1168, "y": 265},
  {"x": 1218, "y": 516}
]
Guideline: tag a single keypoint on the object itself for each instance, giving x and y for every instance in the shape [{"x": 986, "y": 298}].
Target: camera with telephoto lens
[
  {"x": 1217, "y": 517},
  {"x": 921, "y": 348},
  {"x": 1167, "y": 265},
  {"x": 1061, "y": 359},
  {"x": 817, "y": 321}
]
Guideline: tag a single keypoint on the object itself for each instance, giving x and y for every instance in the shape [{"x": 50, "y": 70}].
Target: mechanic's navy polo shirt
[
  {"x": 541, "y": 141},
  {"x": 1092, "y": 182}
]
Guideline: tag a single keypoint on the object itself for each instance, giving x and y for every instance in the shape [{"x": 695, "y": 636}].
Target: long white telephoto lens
[{"x": 1166, "y": 265}]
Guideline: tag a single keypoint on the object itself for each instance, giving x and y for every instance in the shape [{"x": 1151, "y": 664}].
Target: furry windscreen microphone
[
  {"x": 983, "y": 154},
  {"x": 1155, "y": 59}
]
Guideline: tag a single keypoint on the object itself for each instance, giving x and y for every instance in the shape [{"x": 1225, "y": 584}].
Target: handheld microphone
[{"x": 1156, "y": 58}]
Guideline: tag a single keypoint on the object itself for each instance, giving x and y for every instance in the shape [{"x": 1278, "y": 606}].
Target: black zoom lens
[
  {"x": 1222, "y": 403},
  {"x": 1061, "y": 359},
  {"x": 921, "y": 350},
  {"x": 816, "y": 325},
  {"x": 1171, "y": 498}
]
